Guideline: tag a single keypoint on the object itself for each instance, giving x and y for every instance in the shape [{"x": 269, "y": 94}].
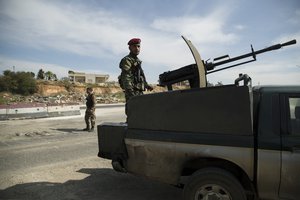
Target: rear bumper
[{"x": 111, "y": 141}]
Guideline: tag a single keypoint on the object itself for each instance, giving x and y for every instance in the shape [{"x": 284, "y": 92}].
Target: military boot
[
  {"x": 92, "y": 129},
  {"x": 93, "y": 125},
  {"x": 87, "y": 128}
]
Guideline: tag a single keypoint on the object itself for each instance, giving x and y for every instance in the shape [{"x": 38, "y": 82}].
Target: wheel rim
[{"x": 212, "y": 192}]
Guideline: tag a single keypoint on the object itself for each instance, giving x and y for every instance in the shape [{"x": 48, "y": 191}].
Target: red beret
[{"x": 134, "y": 41}]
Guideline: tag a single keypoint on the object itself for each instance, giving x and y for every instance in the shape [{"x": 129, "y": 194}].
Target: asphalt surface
[{"x": 54, "y": 159}]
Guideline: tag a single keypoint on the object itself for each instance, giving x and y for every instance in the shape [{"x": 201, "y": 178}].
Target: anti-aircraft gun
[{"x": 196, "y": 73}]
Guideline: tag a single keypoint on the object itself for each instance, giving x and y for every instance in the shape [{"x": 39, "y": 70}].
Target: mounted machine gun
[{"x": 196, "y": 73}]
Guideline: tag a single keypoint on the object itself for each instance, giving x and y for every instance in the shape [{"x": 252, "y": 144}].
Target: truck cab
[{"x": 277, "y": 121}]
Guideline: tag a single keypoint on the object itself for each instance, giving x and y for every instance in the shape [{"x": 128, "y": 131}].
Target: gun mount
[{"x": 196, "y": 73}]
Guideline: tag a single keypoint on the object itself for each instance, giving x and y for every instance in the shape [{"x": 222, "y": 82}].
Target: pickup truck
[
  {"x": 223, "y": 142},
  {"x": 226, "y": 142}
]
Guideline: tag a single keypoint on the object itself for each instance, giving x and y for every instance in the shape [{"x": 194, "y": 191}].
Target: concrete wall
[{"x": 13, "y": 112}]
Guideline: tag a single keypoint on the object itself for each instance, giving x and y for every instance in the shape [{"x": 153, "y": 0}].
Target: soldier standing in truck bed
[
  {"x": 90, "y": 116},
  {"x": 132, "y": 79}
]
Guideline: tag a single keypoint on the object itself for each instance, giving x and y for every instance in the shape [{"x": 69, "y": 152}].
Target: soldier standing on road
[
  {"x": 132, "y": 79},
  {"x": 90, "y": 110}
]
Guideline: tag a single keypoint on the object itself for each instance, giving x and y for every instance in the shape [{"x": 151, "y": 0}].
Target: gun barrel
[
  {"x": 276, "y": 46},
  {"x": 211, "y": 66},
  {"x": 289, "y": 43}
]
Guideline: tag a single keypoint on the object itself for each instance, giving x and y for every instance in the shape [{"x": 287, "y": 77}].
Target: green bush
[{"x": 18, "y": 82}]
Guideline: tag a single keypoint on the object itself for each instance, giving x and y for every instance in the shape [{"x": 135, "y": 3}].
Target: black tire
[{"x": 213, "y": 183}]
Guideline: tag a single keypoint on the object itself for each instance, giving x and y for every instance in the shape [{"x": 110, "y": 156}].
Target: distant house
[{"x": 82, "y": 77}]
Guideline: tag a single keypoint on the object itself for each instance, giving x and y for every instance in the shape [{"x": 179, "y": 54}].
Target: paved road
[{"x": 54, "y": 159}]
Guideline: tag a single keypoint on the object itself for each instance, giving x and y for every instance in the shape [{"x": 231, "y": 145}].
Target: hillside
[{"x": 56, "y": 92}]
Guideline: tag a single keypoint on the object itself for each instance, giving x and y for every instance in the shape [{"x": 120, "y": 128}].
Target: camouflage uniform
[
  {"x": 90, "y": 111},
  {"x": 132, "y": 79}
]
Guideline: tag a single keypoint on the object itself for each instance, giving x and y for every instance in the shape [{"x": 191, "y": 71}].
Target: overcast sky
[{"x": 91, "y": 36}]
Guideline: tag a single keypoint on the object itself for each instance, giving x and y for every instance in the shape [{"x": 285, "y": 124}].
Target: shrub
[{"x": 18, "y": 82}]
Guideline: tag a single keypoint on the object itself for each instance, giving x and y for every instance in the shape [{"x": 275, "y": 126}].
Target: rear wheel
[{"x": 213, "y": 184}]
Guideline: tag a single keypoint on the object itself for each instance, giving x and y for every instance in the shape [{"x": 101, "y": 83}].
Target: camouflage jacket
[
  {"x": 132, "y": 76},
  {"x": 90, "y": 101}
]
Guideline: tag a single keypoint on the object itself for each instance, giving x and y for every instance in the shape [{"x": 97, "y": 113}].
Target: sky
[{"x": 91, "y": 36}]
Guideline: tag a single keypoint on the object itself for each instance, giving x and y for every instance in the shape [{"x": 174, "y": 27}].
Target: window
[{"x": 294, "y": 107}]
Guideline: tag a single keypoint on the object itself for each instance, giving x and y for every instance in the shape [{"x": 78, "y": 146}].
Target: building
[{"x": 82, "y": 77}]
